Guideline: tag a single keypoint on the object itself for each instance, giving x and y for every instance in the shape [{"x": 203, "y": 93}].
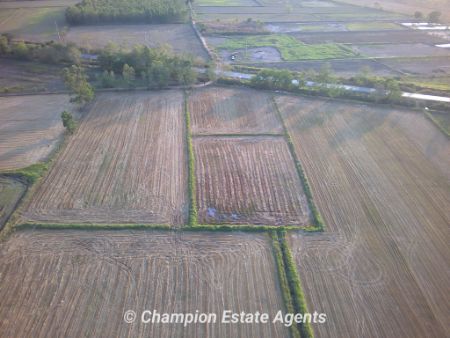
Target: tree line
[
  {"x": 49, "y": 52},
  {"x": 132, "y": 11}
]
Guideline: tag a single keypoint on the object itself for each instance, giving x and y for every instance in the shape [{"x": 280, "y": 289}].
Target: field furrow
[
  {"x": 126, "y": 163},
  {"x": 248, "y": 180}
]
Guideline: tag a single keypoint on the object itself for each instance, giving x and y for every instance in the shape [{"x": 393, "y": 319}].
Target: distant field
[
  {"x": 248, "y": 180},
  {"x": 180, "y": 37},
  {"x": 408, "y": 7},
  {"x": 33, "y": 24},
  {"x": 225, "y": 3},
  {"x": 380, "y": 178},
  {"x": 21, "y": 76},
  {"x": 290, "y": 48},
  {"x": 217, "y": 110},
  {"x": 372, "y": 26},
  {"x": 11, "y": 191},
  {"x": 30, "y": 128},
  {"x": 131, "y": 169},
  {"x": 379, "y": 37},
  {"x": 37, "y": 3},
  {"x": 400, "y": 50},
  {"x": 417, "y": 66},
  {"x": 82, "y": 282}
]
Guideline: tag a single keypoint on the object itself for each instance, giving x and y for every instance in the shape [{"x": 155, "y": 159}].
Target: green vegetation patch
[{"x": 290, "y": 48}]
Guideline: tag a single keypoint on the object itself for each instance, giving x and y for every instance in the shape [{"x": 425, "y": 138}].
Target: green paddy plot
[{"x": 290, "y": 48}]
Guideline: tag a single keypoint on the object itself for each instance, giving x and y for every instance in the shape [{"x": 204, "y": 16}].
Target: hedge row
[
  {"x": 298, "y": 298},
  {"x": 284, "y": 283},
  {"x": 192, "y": 190},
  {"x": 317, "y": 217}
]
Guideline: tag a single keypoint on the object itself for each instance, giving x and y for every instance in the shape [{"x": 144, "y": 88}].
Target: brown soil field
[
  {"x": 29, "y": 77},
  {"x": 221, "y": 110},
  {"x": 180, "y": 37},
  {"x": 11, "y": 191},
  {"x": 393, "y": 37},
  {"x": 381, "y": 179},
  {"x": 248, "y": 180},
  {"x": 30, "y": 128},
  {"x": 80, "y": 283},
  {"x": 126, "y": 163}
]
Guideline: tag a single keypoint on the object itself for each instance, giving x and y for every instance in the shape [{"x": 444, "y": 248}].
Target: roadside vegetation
[
  {"x": 134, "y": 11},
  {"x": 290, "y": 48}
]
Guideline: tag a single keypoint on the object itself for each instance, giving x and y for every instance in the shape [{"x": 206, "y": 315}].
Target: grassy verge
[
  {"x": 441, "y": 121},
  {"x": 317, "y": 217},
  {"x": 248, "y": 227},
  {"x": 192, "y": 190},
  {"x": 295, "y": 286},
  {"x": 95, "y": 226},
  {"x": 290, "y": 48},
  {"x": 283, "y": 278}
]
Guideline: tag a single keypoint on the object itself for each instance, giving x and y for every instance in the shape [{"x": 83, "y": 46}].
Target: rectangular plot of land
[
  {"x": 126, "y": 163},
  {"x": 30, "y": 128},
  {"x": 80, "y": 283},
  {"x": 180, "y": 37},
  {"x": 380, "y": 178},
  {"x": 248, "y": 180},
  {"x": 217, "y": 110}
]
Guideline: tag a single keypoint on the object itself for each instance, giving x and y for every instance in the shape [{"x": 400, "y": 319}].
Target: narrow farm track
[
  {"x": 221, "y": 110},
  {"x": 30, "y": 128},
  {"x": 248, "y": 180},
  {"x": 380, "y": 179},
  {"x": 79, "y": 283},
  {"x": 125, "y": 163}
]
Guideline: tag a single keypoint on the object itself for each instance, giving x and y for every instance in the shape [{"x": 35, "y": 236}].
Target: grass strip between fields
[
  {"x": 283, "y": 279},
  {"x": 193, "y": 214},
  {"x": 319, "y": 225},
  {"x": 290, "y": 283},
  {"x": 438, "y": 124},
  {"x": 295, "y": 285}
]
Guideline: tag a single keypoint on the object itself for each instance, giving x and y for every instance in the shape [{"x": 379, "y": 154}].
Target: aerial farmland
[{"x": 224, "y": 168}]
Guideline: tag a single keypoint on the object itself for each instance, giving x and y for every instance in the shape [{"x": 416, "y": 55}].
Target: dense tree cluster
[
  {"x": 133, "y": 11},
  {"x": 157, "y": 67},
  {"x": 46, "y": 52}
]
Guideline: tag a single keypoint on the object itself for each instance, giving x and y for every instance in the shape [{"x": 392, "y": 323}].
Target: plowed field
[
  {"x": 30, "y": 127},
  {"x": 248, "y": 180},
  {"x": 126, "y": 163},
  {"x": 217, "y": 110},
  {"x": 79, "y": 283},
  {"x": 381, "y": 179}
]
